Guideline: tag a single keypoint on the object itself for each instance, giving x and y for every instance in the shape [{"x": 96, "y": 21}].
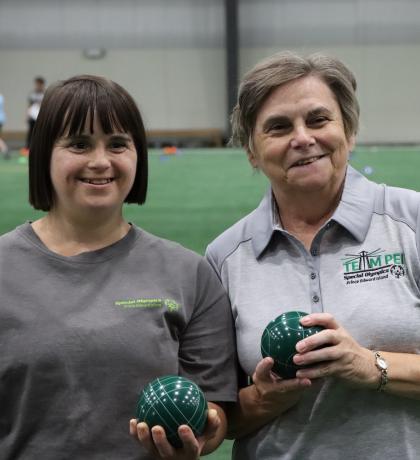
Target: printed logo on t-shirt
[
  {"x": 373, "y": 266},
  {"x": 169, "y": 304}
]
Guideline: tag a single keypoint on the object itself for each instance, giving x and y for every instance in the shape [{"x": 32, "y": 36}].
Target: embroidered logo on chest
[
  {"x": 169, "y": 304},
  {"x": 373, "y": 266}
]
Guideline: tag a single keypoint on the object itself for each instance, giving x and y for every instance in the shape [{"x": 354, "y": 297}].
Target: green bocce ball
[
  {"x": 279, "y": 341},
  {"x": 171, "y": 401}
]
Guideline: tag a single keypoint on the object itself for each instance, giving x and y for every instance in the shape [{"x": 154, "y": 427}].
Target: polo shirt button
[
  {"x": 313, "y": 276},
  {"x": 315, "y": 298},
  {"x": 314, "y": 252}
]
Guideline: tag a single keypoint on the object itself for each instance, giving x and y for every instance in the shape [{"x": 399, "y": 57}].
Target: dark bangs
[
  {"x": 94, "y": 99},
  {"x": 67, "y": 108}
]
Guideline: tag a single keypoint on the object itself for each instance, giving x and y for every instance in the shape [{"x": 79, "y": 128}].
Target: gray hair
[{"x": 282, "y": 68}]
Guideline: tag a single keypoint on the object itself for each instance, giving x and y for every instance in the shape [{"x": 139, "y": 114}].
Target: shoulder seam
[
  {"x": 232, "y": 251},
  {"x": 395, "y": 219}
]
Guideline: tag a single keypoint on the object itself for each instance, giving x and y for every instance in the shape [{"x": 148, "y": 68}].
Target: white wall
[
  {"x": 170, "y": 53},
  {"x": 175, "y": 88},
  {"x": 388, "y": 79}
]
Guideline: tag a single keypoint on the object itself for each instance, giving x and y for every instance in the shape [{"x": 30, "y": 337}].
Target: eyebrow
[
  {"x": 275, "y": 119},
  {"x": 76, "y": 136},
  {"x": 123, "y": 136},
  {"x": 73, "y": 137},
  {"x": 82, "y": 136},
  {"x": 321, "y": 110}
]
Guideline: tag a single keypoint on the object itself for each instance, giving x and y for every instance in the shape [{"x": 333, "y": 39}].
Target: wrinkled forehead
[{"x": 305, "y": 94}]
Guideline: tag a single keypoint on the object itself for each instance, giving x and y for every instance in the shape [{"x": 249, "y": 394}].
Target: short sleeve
[{"x": 207, "y": 352}]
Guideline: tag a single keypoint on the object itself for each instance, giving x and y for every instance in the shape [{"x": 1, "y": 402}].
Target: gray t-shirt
[
  {"x": 81, "y": 336},
  {"x": 364, "y": 269}
]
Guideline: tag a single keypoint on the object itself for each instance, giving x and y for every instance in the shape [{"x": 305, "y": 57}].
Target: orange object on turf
[{"x": 170, "y": 150}]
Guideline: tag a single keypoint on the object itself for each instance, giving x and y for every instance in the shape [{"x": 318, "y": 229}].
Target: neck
[
  {"x": 305, "y": 213},
  {"x": 71, "y": 236}
]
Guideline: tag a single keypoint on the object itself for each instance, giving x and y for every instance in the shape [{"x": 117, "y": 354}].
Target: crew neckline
[{"x": 88, "y": 257}]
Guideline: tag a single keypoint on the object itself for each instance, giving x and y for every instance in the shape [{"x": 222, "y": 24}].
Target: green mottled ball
[
  {"x": 279, "y": 341},
  {"x": 171, "y": 401}
]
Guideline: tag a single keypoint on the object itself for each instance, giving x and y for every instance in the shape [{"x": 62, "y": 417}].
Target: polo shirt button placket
[{"x": 314, "y": 275}]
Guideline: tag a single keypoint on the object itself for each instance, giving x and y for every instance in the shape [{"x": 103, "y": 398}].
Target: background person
[
  {"x": 4, "y": 149},
  {"x": 84, "y": 316},
  {"x": 330, "y": 242},
  {"x": 34, "y": 103},
  {"x": 2, "y": 113},
  {"x": 3, "y": 146}
]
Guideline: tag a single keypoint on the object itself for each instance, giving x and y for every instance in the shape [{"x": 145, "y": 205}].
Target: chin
[
  {"x": 98, "y": 206},
  {"x": 310, "y": 186}
]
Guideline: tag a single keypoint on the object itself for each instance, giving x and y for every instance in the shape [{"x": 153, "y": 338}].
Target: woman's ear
[
  {"x": 252, "y": 158},
  {"x": 352, "y": 142}
]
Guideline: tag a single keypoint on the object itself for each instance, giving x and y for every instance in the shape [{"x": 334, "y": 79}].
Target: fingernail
[
  {"x": 183, "y": 429},
  {"x": 300, "y": 347},
  {"x": 298, "y": 359},
  {"x": 142, "y": 426}
]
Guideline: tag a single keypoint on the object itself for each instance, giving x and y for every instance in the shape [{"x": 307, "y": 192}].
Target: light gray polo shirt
[{"x": 363, "y": 268}]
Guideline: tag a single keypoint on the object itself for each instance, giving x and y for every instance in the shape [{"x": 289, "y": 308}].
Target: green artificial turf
[{"x": 195, "y": 195}]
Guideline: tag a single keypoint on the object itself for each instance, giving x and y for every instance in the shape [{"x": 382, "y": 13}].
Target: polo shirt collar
[
  {"x": 354, "y": 211},
  {"x": 263, "y": 223}
]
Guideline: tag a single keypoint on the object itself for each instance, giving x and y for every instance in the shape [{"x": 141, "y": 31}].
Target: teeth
[
  {"x": 308, "y": 161},
  {"x": 97, "y": 181}
]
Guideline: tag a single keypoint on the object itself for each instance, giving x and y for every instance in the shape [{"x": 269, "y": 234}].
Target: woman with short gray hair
[{"x": 329, "y": 242}]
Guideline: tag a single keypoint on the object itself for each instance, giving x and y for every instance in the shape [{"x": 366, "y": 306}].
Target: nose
[
  {"x": 99, "y": 158},
  {"x": 302, "y": 138}
]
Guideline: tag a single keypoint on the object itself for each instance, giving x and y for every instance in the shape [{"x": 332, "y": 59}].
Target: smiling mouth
[
  {"x": 97, "y": 181},
  {"x": 307, "y": 161}
]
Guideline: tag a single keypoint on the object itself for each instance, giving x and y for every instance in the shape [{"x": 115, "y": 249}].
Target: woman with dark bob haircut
[
  {"x": 93, "y": 307},
  {"x": 68, "y": 106}
]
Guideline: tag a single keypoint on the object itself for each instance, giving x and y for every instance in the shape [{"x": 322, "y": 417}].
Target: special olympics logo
[
  {"x": 171, "y": 305},
  {"x": 397, "y": 271}
]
